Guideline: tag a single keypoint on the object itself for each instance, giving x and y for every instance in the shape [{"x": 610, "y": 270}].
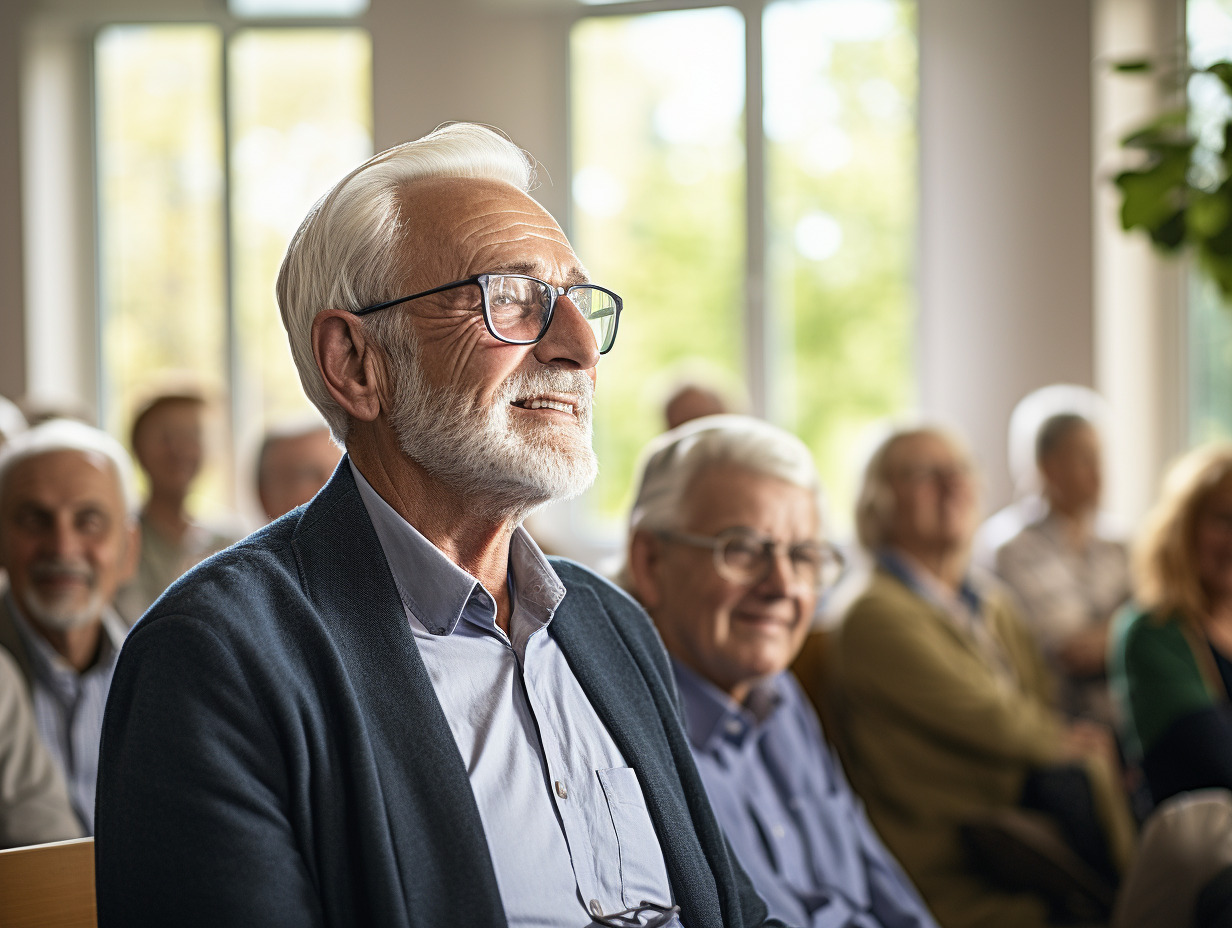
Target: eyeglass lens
[
  {"x": 748, "y": 558},
  {"x": 518, "y": 308}
]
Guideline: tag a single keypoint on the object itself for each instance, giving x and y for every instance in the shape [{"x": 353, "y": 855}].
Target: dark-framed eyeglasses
[
  {"x": 518, "y": 309},
  {"x": 654, "y": 915},
  {"x": 743, "y": 556}
]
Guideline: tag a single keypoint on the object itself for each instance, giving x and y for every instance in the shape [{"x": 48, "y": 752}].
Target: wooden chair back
[{"x": 48, "y": 886}]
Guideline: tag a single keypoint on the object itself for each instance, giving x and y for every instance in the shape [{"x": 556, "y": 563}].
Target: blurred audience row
[
  {"x": 965, "y": 747},
  {"x": 80, "y": 560}
]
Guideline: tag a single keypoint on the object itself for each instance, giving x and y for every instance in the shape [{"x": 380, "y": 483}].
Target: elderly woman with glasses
[
  {"x": 1171, "y": 664},
  {"x": 944, "y": 711},
  {"x": 727, "y": 553}
]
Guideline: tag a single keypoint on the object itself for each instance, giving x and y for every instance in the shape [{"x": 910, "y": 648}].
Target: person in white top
[{"x": 1068, "y": 575}]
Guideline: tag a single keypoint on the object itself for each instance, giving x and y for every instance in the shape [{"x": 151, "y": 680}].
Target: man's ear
[
  {"x": 645, "y": 568},
  {"x": 349, "y": 362}
]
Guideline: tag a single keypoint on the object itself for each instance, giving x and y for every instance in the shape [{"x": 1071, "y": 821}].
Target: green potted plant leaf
[{"x": 1181, "y": 192}]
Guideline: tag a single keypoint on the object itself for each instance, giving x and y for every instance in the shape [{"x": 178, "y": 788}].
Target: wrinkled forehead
[
  {"x": 468, "y": 226},
  {"x": 923, "y": 449},
  {"x": 60, "y": 476}
]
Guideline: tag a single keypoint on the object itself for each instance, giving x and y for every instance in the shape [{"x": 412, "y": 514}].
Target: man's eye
[
  {"x": 743, "y": 550},
  {"x": 91, "y": 522},
  {"x": 29, "y": 520},
  {"x": 806, "y": 555}
]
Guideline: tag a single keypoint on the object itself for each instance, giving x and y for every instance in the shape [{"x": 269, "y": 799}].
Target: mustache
[
  {"x": 531, "y": 382},
  {"x": 61, "y": 569}
]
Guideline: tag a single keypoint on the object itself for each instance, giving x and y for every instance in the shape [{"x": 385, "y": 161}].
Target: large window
[
  {"x": 658, "y": 194},
  {"x": 808, "y": 301},
  {"x": 211, "y": 147},
  {"x": 1210, "y": 319}
]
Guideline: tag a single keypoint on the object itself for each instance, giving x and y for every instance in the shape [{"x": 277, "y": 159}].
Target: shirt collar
[
  {"x": 903, "y": 568},
  {"x": 712, "y": 717},
  {"x": 435, "y": 590},
  {"x": 46, "y": 662}
]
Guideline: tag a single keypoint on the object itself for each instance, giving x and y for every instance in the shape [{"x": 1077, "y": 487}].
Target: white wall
[
  {"x": 1140, "y": 365},
  {"x": 434, "y": 62},
  {"x": 1005, "y": 231},
  {"x": 12, "y": 328}
]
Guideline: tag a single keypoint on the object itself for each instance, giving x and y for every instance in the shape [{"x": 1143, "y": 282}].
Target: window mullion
[
  {"x": 231, "y": 331},
  {"x": 759, "y": 343}
]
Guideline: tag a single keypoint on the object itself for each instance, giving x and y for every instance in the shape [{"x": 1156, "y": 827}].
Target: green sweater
[{"x": 1154, "y": 676}]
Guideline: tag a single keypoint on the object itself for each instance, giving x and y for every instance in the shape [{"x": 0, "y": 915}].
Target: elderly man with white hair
[
  {"x": 388, "y": 708},
  {"x": 945, "y": 707},
  {"x": 727, "y": 552},
  {"x": 68, "y": 540}
]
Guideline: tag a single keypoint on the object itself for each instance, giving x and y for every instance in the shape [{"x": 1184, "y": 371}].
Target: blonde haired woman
[{"x": 1171, "y": 666}]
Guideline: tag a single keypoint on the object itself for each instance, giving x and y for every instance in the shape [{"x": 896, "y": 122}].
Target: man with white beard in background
[
  {"x": 68, "y": 541},
  {"x": 388, "y": 708}
]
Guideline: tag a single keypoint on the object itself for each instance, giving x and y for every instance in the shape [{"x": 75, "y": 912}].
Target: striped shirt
[{"x": 68, "y": 706}]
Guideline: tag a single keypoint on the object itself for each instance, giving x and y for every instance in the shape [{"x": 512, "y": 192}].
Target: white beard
[
  {"x": 61, "y": 617},
  {"x": 507, "y": 469}
]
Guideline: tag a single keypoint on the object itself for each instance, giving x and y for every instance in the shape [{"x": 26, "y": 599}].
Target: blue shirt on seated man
[{"x": 726, "y": 552}]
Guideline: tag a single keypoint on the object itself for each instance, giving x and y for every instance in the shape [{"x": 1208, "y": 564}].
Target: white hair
[
  {"x": 345, "y": 254},
  {"x": 70, "y": 435},
  {"x": 875, "y": 500},
  {"x": 672, "y": 462}
]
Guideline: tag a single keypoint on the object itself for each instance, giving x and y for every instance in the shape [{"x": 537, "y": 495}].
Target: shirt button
[
  {"x": 778, "y": 831},
  {"x": 560, "y": 790},
  {"x": 734, "y": 727},
  {"x": 596, "y": 909}
]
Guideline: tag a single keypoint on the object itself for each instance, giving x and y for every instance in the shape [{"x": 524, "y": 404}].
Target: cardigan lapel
[
  {"x": 621, "y": 697},
  {"x": 429, "y": 802}
]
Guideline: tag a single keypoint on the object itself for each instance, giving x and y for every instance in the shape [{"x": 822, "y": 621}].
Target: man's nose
[
  {"x": 780, "y": 574},
  {"x": 569, "y": 341},
  {"x": 63, "y": 540}
]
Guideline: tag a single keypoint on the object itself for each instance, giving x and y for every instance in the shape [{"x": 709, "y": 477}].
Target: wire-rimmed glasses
[
  {"x": 517, "y": 309},
  {"x": 743, "y": 556}
]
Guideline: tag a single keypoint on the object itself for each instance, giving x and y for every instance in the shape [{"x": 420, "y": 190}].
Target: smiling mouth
[{"x": 541, "y": 402}]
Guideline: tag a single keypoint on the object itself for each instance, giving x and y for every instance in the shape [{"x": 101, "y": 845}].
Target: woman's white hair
[
  {"x": 70, "y": 435},
  {"x": 671, "y": 462},
  {"x": 345, "y": 254}
]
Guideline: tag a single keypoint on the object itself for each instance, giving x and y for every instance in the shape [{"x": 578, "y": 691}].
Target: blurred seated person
[
  {"x": 1069, "y": 579},
  {"x": 1171, "y": 664},
  {"x": 943, "y": 703},
  {"x": 296, "y": 459},
  {"x": 1181, "y": 876},
  {"x": 691, "y": 401},
  {"x": 68, "y": 541},
  {"x": 727, "y": 553},
  {"x": 34, "y": 806},
  {"x": 168, "y": 443},
  {"x": 1028, "y": 506}
]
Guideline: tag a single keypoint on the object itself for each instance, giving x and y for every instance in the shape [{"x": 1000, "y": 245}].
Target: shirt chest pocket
[{"x": 643, "y": 875}]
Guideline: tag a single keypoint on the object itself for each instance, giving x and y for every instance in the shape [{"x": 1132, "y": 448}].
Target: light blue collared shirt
[
  {"x": 566, "y": 822},
  {"x": 68, "y": 706},
  {"x": 794, "y": 823}
]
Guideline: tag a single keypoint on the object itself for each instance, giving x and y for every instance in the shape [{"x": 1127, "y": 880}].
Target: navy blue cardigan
[{"x": 274, "y": 753}]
